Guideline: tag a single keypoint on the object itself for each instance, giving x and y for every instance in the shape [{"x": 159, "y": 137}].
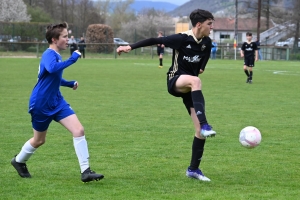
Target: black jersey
[
  {"x": 159, "y": 46},
  {"x": 189, "y": 54},
  {"x": 249, "y": 49}
]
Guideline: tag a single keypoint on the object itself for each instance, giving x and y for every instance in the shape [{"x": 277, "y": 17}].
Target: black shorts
[
  {"x": 186, "y": 97},
  {"x": 160, "y": 51},
  {"x": 249, "y": 61}
]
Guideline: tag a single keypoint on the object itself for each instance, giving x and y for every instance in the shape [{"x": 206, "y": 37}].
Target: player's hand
[
  {"x": 256, "y": 59},
  {"x": 75, "y": 85},
  {"x": 242, "y": 55},
  {"x": 201, "y": 71},
  {"x": 162, "y": 46},
  {"x": 124, "y": 49}
]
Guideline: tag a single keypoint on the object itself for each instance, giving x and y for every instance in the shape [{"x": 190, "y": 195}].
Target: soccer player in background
[
  {"x": 214, "y": 49},
  {"x": 160, "y": 50},
  {"x": 191, "y": 51},
  {"x": 249, "y": 52},
  {"x": 46, "y": 104}
]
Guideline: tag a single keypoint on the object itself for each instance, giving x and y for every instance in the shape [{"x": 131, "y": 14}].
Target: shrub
[{"x": 100, "y": 33}]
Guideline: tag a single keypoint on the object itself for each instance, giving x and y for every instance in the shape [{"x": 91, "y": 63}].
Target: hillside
[
  {"x": 224, "y": 7},
  {"x": 212, "y": 6},
  {"x": 138, "y": 6}
]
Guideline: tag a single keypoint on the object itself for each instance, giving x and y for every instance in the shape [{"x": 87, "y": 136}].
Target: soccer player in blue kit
[
  {"x": 46, "y": 104},
  {"x": 191, "y": 51}
]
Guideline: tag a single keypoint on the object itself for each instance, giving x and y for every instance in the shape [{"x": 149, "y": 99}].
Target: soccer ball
[{"x": 250, "y": 137}]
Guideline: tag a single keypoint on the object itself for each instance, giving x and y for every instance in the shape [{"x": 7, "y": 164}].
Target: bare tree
[
  {"x": 121, "y": 14},
  {"x": 296, "y": 21},
  {"x": 13, "y": 11},
  {"x": 147, "y": 24},
  {"x": 103, "y": 8}
]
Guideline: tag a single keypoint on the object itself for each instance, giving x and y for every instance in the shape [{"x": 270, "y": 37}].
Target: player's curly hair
[
  {"x": 199, "y": 15},
  {"x": 53, "y": 31}
]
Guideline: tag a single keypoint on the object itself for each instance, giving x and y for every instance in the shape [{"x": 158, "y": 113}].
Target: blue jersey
[{"x": 46, "y": 97}]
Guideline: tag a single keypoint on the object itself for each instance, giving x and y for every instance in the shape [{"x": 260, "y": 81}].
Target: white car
[
  {"x": 119, "y": 41},
  {"x": 287, "y": 43}
]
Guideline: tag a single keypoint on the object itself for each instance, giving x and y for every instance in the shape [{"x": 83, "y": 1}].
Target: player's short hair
[
  {"x": 201, "y": 16},
  {"x": 248, "y": 34},
  {"x": 53, "y": 31}
]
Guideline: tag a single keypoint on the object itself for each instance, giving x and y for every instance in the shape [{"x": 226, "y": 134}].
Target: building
[{"x": 223, "y": 28}]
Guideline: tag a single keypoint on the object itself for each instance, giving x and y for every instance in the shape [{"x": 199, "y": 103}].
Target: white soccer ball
[{"x": 250, "y": 137}]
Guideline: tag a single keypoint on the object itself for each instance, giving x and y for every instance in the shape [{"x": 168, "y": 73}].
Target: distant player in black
[
  {"x": 249, "y": 52},
  {"x": 160, "y": 50},
  {"x": 191, "y": 51}
]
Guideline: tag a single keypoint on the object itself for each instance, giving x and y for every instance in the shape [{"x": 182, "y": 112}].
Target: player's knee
[
  {"x": 196, "y": 83},
  {"x": 38, "y": 142},
  {"x": 78, "y": 132}
]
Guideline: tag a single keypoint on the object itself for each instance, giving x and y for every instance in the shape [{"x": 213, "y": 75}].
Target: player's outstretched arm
[{"x": 142, "y": 43}]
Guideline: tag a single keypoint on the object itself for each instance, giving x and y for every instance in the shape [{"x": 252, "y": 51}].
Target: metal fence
[
  {"x": 267, "y": 52},
  {"x": 108, "y": 50}
]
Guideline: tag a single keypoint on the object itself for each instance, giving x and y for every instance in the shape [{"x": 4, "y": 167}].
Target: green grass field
[{"x": 140, "y": 137}]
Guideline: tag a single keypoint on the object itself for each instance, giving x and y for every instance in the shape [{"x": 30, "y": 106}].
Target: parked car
[
  {"x": 15, "y": 39},
  {"x": 287, "y": 43},
  {"x": 119, "y": 41}
]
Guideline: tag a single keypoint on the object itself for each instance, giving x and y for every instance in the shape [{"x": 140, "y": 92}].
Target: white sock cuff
[
  {"x": 78, "y": 139},
  {"x": 28, "y": 147},
  {"x": 25, "y": 153}
]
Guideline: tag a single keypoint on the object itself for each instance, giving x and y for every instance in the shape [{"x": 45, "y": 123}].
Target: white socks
[
  {"x": 81, "y": 149},
  {"x": 25, "y": 153}
]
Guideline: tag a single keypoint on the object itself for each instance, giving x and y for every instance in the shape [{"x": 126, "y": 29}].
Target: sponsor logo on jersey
[
  {"x": 188, "y": 46},
  {"x": 194, "y": 59}
]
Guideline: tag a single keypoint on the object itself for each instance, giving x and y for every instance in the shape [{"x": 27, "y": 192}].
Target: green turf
[{"x": 140, "y": 137}]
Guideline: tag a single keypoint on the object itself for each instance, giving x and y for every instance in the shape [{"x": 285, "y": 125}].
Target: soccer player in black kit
[
  {"x": 160, "y": 50},
  {"x": 191, "y": 51},
  {"x": 250, "y": 53}
]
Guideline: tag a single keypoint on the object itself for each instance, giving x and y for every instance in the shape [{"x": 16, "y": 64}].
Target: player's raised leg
[
  {"x": 187, "y": 83},
  {"x": 81, "y": 148}
]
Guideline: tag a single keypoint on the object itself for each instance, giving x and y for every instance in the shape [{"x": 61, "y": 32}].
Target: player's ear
[{"x": 198, "y": 25}]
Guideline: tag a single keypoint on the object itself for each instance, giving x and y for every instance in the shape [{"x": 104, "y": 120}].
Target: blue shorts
[{"x": 40, "y": 122}]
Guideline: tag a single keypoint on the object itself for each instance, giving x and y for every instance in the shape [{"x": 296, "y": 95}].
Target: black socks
[
  {"x": 199, "y": 106},
  {"x": 246, "y": 72},
  {"x": 197, "y": 152},
  {"x": 161, "y": 62}
]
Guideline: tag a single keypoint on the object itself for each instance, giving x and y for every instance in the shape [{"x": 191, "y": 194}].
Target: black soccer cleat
[
  {"x": 21, "y": 168},
  {"x": 89, "y": 175}
]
